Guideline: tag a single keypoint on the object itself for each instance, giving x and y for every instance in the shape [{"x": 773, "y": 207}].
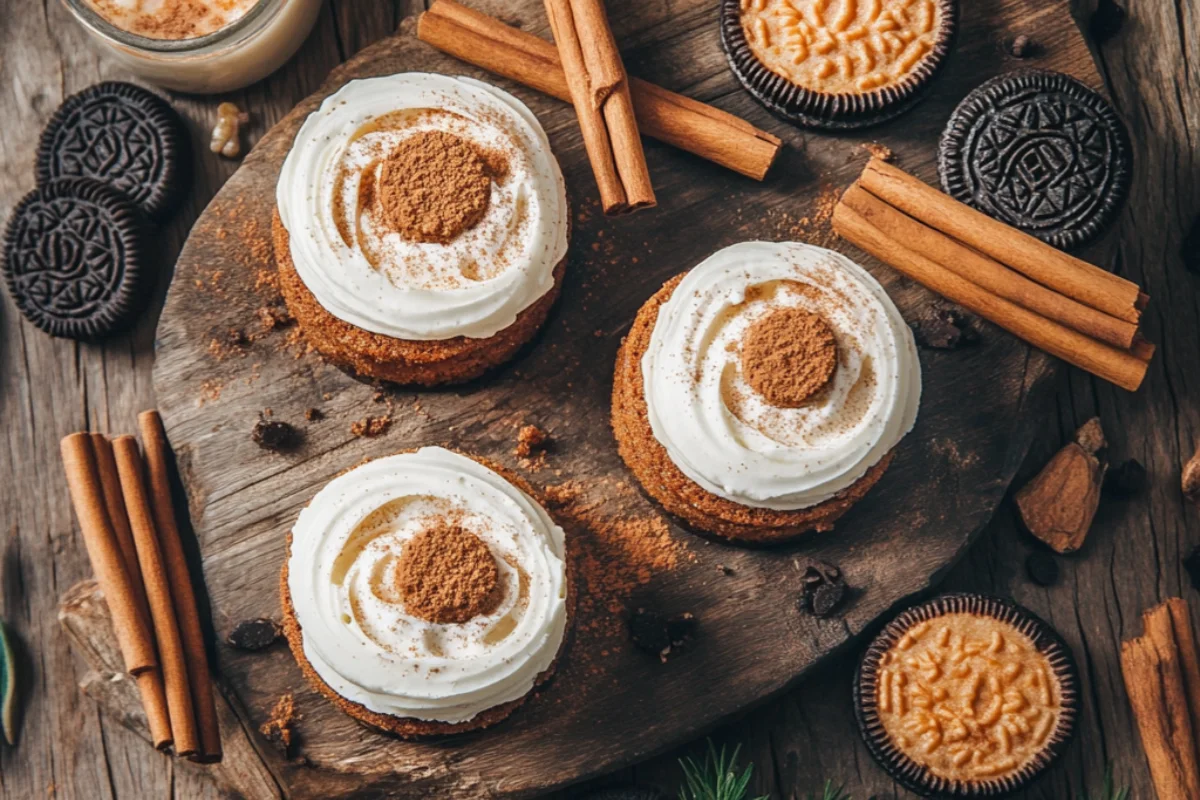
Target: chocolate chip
[
  {"x": 1042, "y": 568},
  {"x": 1192, "y": 565},
  {"x": 1191, "y": 248},
  {"x": 1106, "y": 22},
  {"x": 254, "y": 634},
  {"x": 944, "y": 329},
  {"x": 1128, "y": 478},
  {"x": 823, "y": 589},
  {"x": 827, "y": 598},
  {"x": 657, "y": 634},
  {"x": 1023, "y": 47},
  {"x": 275, "y": 435}
]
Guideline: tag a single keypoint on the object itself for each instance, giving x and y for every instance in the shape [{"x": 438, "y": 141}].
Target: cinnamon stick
[
  {"x": 114, "y": 502},
  {"x": 104, "y": 553},
  {"x": 987, "y": 272},
  {"x": 1105, "y": 361},
  {"x": 1032, "y": 257},
  {"x": 1153, "y": 670},
  {"x": 150, "y": 683},
  {"x": 600, "y": 94},
  {"x": 1189, "y": 659},
  {"x": 154, "y": 701},
  {"x": 154, "y": 439},
  {"x": 674, "y": 119},
  {"x": 158, "y": 593}
]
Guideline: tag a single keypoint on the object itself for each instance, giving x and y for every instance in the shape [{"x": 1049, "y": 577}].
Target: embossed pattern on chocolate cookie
[
  {"x": 73, "y": 258},
  {"x": 1040, "y": 151},
  {"x": 121, "y": 135}
]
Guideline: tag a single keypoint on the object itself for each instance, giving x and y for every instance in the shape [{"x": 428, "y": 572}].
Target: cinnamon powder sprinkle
[
  {"x": 447, "y": 574},
  {"x": 622, "y": 554}
]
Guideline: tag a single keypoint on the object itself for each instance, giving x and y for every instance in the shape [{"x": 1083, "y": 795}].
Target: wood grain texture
[
  {"x": 609, "y": 705},
  {"x": 68, "y": 750}
]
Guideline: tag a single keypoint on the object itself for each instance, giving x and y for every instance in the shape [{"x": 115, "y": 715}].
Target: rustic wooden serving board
[{"x": 609, "y": 704}]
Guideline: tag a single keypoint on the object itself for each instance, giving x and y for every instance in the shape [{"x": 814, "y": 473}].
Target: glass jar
[{"x": 231, "y": 57}]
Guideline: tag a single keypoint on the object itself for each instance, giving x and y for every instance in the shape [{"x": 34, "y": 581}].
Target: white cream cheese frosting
[
  {"x": 722, "y": 434},
  {"x": 363, "y": 272},
  {"x": 345, "y": 552}
]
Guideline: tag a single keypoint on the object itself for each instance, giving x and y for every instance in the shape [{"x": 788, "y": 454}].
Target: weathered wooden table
[{"x": 51, "y": 387}]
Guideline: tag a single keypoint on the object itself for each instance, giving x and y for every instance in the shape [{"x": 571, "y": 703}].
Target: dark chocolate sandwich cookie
[
  {"x": 73, "y": 258},
  {"x": 966, "y": 696},
  {"x": 1039, "y": 151},
  {"x": 837, "y": 64},
  {"x": 121, "y": 135}
]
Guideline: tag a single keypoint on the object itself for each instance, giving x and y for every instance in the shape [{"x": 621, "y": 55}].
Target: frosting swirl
[
  {"x": 358, "y": 636},
  {"x": 366, "y": 273},
  {"x": 725, "y": 436}
]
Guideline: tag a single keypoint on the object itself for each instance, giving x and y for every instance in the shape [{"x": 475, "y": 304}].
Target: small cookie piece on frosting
[
  {"x": 760, "y": 395},
  {"x": 421, "y": 227},
  {"x": 425, "y": 593},
  {"x": 788, "y": 356}
]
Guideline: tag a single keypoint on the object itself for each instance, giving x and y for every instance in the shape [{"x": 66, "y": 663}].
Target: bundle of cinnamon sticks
[
  {"x": 123, "y": 502},
  {"x": 1162, "y": 676},
  {"x": 1058, "y": 303},
  {"x": 679, "y": 121}
]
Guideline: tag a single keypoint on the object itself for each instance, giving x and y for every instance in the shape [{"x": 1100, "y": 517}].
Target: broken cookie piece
[{"x": 1059, "y": 504}]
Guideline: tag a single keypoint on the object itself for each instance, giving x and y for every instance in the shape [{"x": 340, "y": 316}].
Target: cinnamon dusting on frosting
[
  {"x": 789, "y": 356},
  {"x": 435, "y": 185},
  {"x": 447, "y": 574}
]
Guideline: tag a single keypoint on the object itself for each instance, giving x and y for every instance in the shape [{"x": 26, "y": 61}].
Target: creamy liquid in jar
[{"x": 171, "y": 19}]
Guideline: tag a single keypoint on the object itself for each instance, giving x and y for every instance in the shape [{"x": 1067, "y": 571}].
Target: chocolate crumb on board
[
  {"x": 1042, "y": 568},
  {"x": 254, "y": 634},
  {"x": 944, "y": 329},
  {"x": 278, "y": 727},
  {"x": 314, "y": 415},
  {"x": 370, "y": 427},
  {"x": 1106, "y": 22},
  {"x": 1126, "y": 479},
  {"x": 823, "y": 588},
  {"x": 1191, "y": 248},
  {"x": 1192, "y": 564},
  {"x": 659, "y": 635},
  {"x": 275, "y": 435}
]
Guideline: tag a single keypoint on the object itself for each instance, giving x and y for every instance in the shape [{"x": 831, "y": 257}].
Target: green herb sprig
[{"x": 716, "y": 777}]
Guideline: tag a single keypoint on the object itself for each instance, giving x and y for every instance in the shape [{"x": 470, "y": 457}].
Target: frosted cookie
[
  {"x": 421, "y": 227},
  {"x": 760, "y": 395},
  {"x": 425, "y": 593}
]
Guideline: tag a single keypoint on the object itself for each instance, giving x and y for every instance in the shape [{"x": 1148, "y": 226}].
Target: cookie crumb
[
  {"x": 370, "y": 427},
  {"x": 278, "y": 727},
  {"x": 530, "y": 440},
  {"x": 314, "y": 415}
]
